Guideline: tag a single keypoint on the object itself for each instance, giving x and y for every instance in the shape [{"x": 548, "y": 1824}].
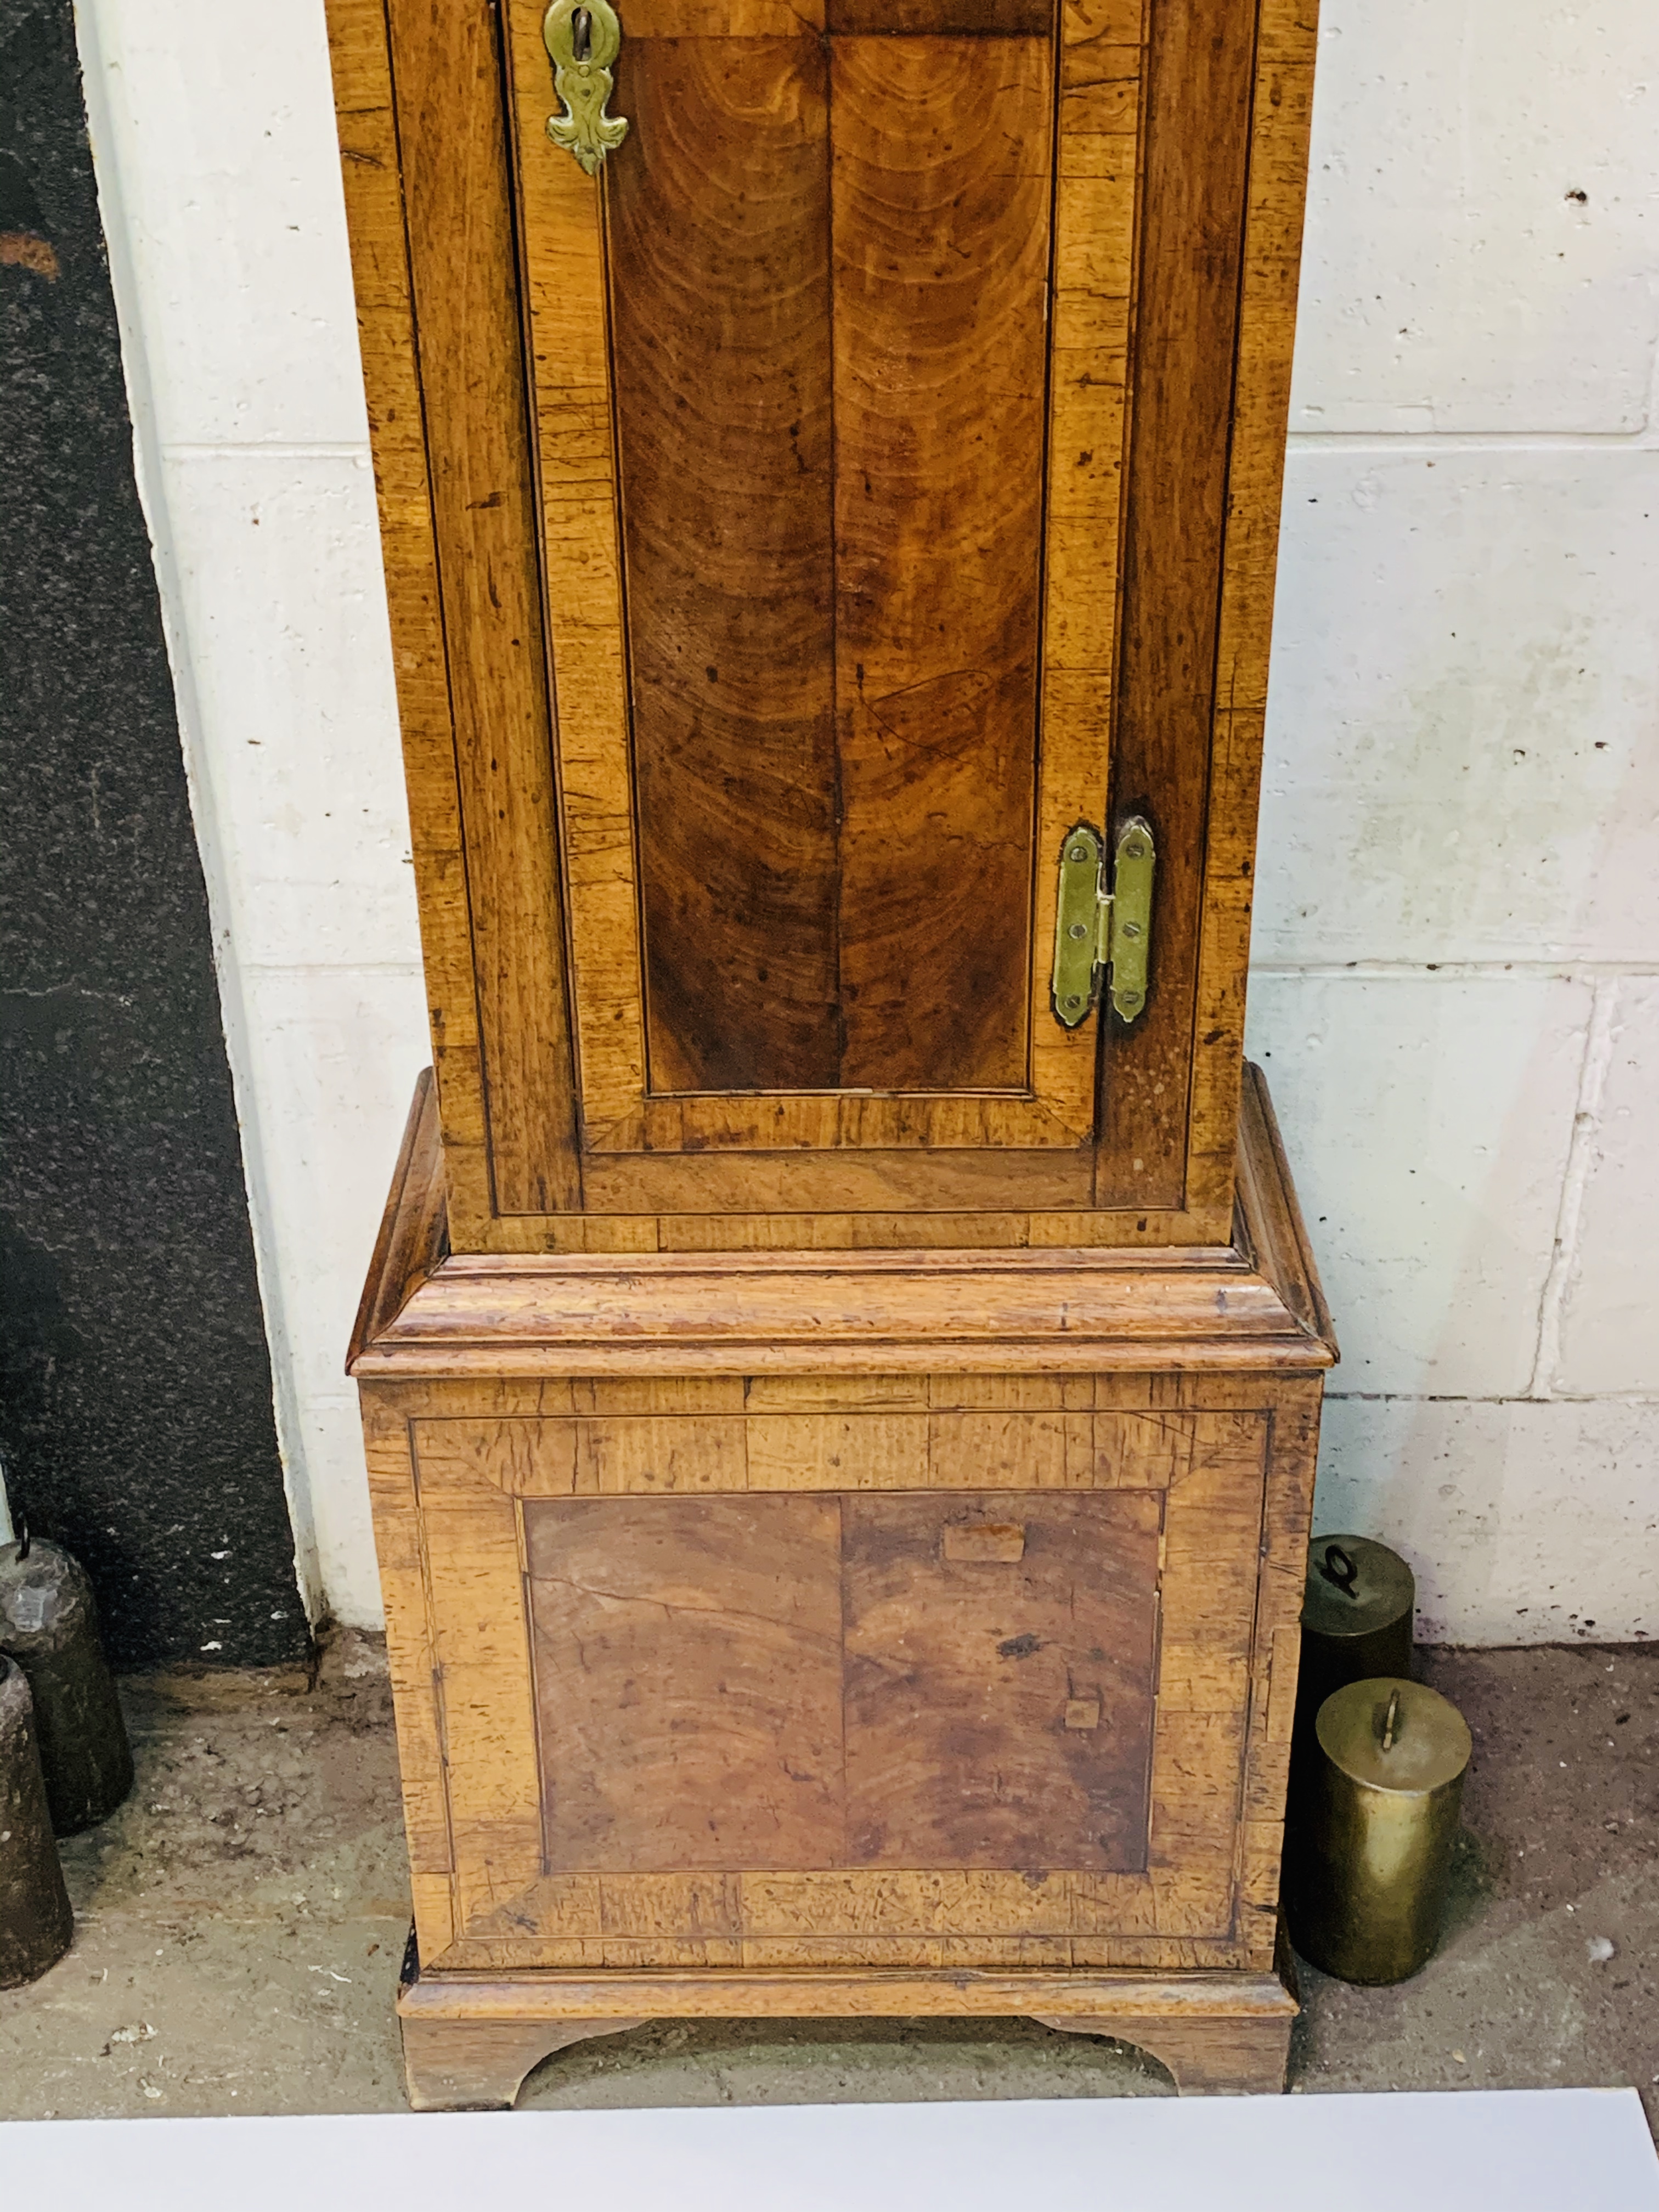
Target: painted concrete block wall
[
  {"x": 1458, "y": 929},
  {"x": 213, "y": 131},
  {"x": 1457, "y": 994}
]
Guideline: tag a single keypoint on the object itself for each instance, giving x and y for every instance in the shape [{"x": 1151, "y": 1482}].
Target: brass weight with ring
[{"x": 1356, "y": 1620}]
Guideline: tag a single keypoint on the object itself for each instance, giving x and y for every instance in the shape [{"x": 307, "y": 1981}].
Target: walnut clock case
[{"x": 841, "y": 1365}]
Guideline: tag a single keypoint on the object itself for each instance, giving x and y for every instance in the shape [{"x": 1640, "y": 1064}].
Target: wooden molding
[
  {"x": 808, "y": 1993},
  {"x": 470, "y": 2043},
  {"x": 1255, "y": 1304},
  {"x": 412, "y": 1239}
]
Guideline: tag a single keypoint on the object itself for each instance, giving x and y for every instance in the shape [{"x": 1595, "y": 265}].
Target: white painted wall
[
  {"x": 1457, "y": 992},
  {"x": 218, "y": 170},
  {"x": 1457, "y": 997}
]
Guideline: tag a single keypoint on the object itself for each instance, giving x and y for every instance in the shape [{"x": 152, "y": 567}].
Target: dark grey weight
[
  {"x": 49, "y": 1626},
  {"x": 35, "y": 1920}
]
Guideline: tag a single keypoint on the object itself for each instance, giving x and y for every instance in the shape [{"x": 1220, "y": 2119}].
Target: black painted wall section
[{"x": 134, "y": 1383}]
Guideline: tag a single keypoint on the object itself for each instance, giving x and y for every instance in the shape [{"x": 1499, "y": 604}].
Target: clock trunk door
[{"x": 827, "y": 398}]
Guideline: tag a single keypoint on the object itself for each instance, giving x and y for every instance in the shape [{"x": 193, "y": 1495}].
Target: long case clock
[{"x": 841, "y": 1367}]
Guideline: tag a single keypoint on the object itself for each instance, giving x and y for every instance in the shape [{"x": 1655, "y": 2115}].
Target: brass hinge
[{"x": 1101, "y": 931}]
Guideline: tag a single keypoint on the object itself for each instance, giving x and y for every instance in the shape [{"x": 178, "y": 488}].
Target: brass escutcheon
[{"x": 584, "y": 38}]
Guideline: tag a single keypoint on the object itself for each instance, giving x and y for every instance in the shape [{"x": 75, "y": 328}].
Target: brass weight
[
  {"x": 1357, "y": 1609},
  {"x": 1369, "y": 1857}
]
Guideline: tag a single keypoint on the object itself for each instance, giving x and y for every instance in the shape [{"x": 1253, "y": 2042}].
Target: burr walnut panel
[
  {"x": 688, "y": 1665},
  {"x": 827, "y": 261},
  {"x": 940, "y": 215},
  {"x": 823, "y": 1681},
  {"x": 719, "y": 252},
  {"x": 1000, "y": 1680}
]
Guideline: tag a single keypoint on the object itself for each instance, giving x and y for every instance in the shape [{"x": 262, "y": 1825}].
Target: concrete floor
[{"x": 240, "y": 1920}]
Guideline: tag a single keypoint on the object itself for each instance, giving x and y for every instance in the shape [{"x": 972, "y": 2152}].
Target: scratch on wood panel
[{"x": 670, "y": 1608}]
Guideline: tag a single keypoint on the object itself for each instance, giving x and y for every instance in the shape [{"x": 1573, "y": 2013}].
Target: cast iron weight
[
  {"x": 35, "y": 1920},
  {"x": 49, "y": 1626}
]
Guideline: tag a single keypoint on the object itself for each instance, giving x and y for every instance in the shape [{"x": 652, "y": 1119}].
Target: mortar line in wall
[
  {"x": 1527, "y": 1397},
  {"x": 1581, "y": 1149},
  {"x": 257, "y": 966},
  {"x": 186, "y": 449},
  {"x": 1439, "y": 442},
  {"x": 1567, "y": 968}
]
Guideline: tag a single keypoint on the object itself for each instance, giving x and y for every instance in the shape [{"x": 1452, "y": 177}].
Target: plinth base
[
  {"x": 791, "y": 1634},
  {"x": 469, "y": 2041}
]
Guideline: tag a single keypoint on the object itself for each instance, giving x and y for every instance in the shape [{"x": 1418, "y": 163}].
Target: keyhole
[{"x": 581, "y": 33}]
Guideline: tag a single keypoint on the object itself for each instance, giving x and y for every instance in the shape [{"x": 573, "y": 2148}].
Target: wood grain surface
[
  {"x": 471, "y": 1566},
  {"x": 1222, "y": 1427},
  {"x": 834, "y": 685},
  {"x": 697, "y": 1561},
  {"x": 1185, "y": 1317},
  {"x": 1097, "y": 159},
  {"x": 940, "y": 223},
  {"x": 453, "y": 153},
  {"x": 417, "y": 1709},
  {"x": 687, "y": 1662},
  {"x": 782, "y": 1682},
  {"x": 909, "y": 1434},
  {"x": 828, "y": 1312},
  {"x": 1287, "y": 36},
  {"x": 1244, "y": 2057},
  {"x": 1201, "y": 75},
  {"x": 1062, "y": 1998},
  {"x": 1092, "y": 278},
  {"x": 720, "y": 315},
  {"x": 470, "y": 2038},
  {"x": 1032, "y": 19},
  {"x": 999, "y": 1709},
  {"x": 562, "y": 276},
  {"x": 472, "y": 2066},
  {"x": 1183, "y": 1911}
]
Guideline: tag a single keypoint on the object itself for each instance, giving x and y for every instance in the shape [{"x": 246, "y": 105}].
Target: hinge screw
[
  {"x": 1078, "y": 853},
  {"x": 1077, "y": 929}
]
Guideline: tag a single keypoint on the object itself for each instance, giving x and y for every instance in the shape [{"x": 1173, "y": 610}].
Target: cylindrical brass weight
[
  {"x": 35, "y": 1920},
  {"x": 1369, "y": 1856},
  {"x": 1356, "y": 1621},
  {"x": 49, "y": 1626}
]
